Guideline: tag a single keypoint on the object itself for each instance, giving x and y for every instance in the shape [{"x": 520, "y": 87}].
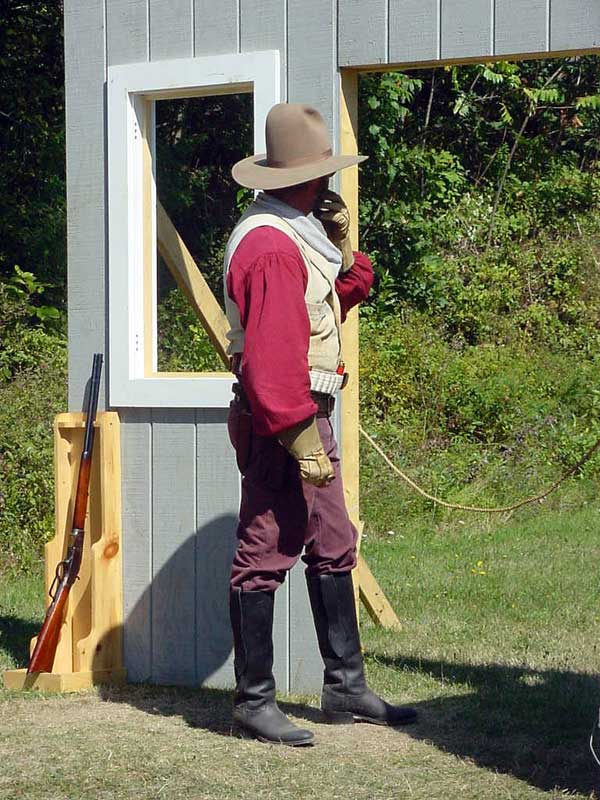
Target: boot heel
[{"x": 338, "y": 717}]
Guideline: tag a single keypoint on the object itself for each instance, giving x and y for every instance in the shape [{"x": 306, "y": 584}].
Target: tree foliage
[
  {"x": 32, "y": 142},
  {"x": 479, "y": 207},
  {"x": 466, "y": 159}
]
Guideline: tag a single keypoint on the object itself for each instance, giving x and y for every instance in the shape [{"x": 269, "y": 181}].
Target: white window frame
[{"x": 132, "y": 273}]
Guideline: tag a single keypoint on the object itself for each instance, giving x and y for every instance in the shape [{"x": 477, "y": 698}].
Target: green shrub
[
  {"x": 484, "y": 424},
  {"x": 183, "y": 344},
  {"x": 33, "y": 389}
]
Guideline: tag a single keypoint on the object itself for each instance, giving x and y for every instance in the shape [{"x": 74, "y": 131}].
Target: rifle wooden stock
[
  {"x": 67, "y": 571},
  {"x": 47, "y": 642}
]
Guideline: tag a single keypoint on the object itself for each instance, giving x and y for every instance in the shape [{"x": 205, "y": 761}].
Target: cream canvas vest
[{"x": 322, "y": 302}]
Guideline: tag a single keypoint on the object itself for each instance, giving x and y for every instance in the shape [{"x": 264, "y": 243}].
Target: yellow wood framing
[
  {"x": 366, "y": 587},
  {"x": 90, "y": 646}
]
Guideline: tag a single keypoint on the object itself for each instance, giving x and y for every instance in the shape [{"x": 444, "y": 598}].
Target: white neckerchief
[{"x": 304, "y": 226}]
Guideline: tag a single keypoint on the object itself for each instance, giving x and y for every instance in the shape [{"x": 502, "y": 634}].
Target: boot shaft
[
  {"x": 332, "y": 602},
  {"x": 251, "y": 615}
]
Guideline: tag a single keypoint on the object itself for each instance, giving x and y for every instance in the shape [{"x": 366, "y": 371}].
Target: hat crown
[{"x": 296, "y": 134}]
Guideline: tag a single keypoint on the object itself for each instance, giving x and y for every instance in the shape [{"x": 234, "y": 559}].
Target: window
[{"x": 133, "y": 91}]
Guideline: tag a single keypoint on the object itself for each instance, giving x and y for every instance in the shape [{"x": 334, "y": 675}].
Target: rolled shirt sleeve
[
  {"x": 267, "y": 280},
  {"x": 354, "y": 285}
]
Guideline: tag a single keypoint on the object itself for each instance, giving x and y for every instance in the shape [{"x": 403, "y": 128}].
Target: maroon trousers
[{"x": 281, "y": 515}]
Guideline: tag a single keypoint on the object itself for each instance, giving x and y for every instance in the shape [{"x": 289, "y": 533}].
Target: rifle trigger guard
[{"x": 58, "y": 576}]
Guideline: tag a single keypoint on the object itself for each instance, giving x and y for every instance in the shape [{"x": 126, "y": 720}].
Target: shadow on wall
[{"x": 178, "y": 631}]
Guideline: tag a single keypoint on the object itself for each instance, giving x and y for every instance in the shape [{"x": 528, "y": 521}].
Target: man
[{"x": 288, "y": 287}]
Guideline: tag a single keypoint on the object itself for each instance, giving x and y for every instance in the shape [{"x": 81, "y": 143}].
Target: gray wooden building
[{"x": 180, "y": 487}]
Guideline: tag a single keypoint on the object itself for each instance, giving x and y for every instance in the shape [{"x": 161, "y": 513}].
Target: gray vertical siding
[
  {"x": 216, "y": 33},
  {"x": 171, "y": 29},
  {"x": 128, "y": 42},
  {"x": 313, "y": 79},
  {"x": 375, "y": 32},
  {"x": 217, "y": 503},
  {"x": 363, "y": 32},
  {"x": 414, "y": 30},
  {"x": 263, "y": 26},
  {"x": 522, "y": 28},
  {"x": 180, "y": 485},
  {"x": 574, "y": 23},
  {"x": 85, "y": 73},
  {"x": 127, "y": 31},
  {"x": 173, "y": 546},
  {"x": 136, "y": 467},
  {"x": 466, "y": 27},
  {"x": 312, "y": 63}
]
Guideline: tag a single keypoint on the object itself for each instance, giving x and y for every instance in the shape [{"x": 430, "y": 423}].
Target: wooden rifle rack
[{"x": 90, "y": 648}]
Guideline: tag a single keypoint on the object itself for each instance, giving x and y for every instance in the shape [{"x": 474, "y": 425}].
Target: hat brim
[{"x": 253, "y": 172}]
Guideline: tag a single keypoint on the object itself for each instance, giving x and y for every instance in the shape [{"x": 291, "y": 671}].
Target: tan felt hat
[{"x": 298, "y": 150}]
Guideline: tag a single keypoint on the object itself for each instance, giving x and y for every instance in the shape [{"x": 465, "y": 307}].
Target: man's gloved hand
[
  {"x": 333, "y": 213},
  {"x": 303, "y": 442}
]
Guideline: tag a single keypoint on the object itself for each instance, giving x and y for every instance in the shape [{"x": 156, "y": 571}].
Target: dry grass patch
[{"x": 140, "y": 743}]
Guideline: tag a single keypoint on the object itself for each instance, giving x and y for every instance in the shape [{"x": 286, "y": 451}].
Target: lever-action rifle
[{"x": 68, "y": 570}]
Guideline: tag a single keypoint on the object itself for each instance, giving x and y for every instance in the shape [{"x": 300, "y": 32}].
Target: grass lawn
[{"x": 498, "y": 652}]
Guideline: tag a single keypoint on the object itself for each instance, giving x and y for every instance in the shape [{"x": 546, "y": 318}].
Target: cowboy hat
[{"x": 298, "y": 150}]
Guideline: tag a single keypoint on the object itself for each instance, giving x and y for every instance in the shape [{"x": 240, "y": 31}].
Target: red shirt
[{"x": 267, "y": 281}]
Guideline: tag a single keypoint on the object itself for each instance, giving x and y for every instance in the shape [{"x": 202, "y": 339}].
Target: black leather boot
[
  {"x": 346, "y": 696},
  {"x": 255, "y": 708}
]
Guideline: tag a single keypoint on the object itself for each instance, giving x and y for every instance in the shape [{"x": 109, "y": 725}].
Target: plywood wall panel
[
  {"x": 173, "y": 546},
  {"x": 216, "y": 33},
  {"x": 574, "y": 24},
  {"x": 363, "y": 32},
  {"x": 414, "y": 30},
  {"x": 136, "y": 463},
  {"x": 466, "y": 28},
  {"x": 85, "y": 74},
  {"x": 521, "y": 27},
  {"x": 127, "y": 31},
  {"x": 263, "y": 26},
  {"x": 218, "y": 499},
  {"x": 171, "y": 29},
  {"x": 127, "y": 42},
  {"x": 281, "y": 638},
  {"x": 306, "y": 665},
  {"x": 312, "y": 69}
]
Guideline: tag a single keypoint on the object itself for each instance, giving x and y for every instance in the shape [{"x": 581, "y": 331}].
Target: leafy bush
[
  {"x": 183, "y": 344},
  {"x": 33, "y": 389},
  {"x": 485, "y": 423}
]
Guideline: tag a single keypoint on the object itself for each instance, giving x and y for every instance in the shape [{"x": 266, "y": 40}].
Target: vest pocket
[{"x": 317, "y": 312}]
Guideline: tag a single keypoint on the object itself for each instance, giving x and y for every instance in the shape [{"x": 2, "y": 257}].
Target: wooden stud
[
  {"x": 18, "y": 679},
  {"x": 349, "y": 397},
  {"x": 376, "y": 603},
  {"x": 366, "y": 587}
]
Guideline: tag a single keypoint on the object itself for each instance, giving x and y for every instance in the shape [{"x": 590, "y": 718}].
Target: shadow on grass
[
  {"x": 208, "y": 709},
  {"x": 15, "y": 634},
  {"x": 532, "y": 724}
]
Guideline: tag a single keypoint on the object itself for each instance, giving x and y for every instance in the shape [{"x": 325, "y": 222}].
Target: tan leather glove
[
  {"x": 333, "y": 213},
  {"x": 303, "y": 442}
]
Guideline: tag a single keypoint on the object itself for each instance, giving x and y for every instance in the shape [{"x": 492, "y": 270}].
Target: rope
[{"x": 459, "y": 506}]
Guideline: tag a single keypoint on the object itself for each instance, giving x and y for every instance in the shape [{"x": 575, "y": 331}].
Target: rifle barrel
[{"x": 44, "y": 652}]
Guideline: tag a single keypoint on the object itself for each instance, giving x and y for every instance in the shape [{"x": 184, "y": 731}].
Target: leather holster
[{"x": 239, "y": 427}]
